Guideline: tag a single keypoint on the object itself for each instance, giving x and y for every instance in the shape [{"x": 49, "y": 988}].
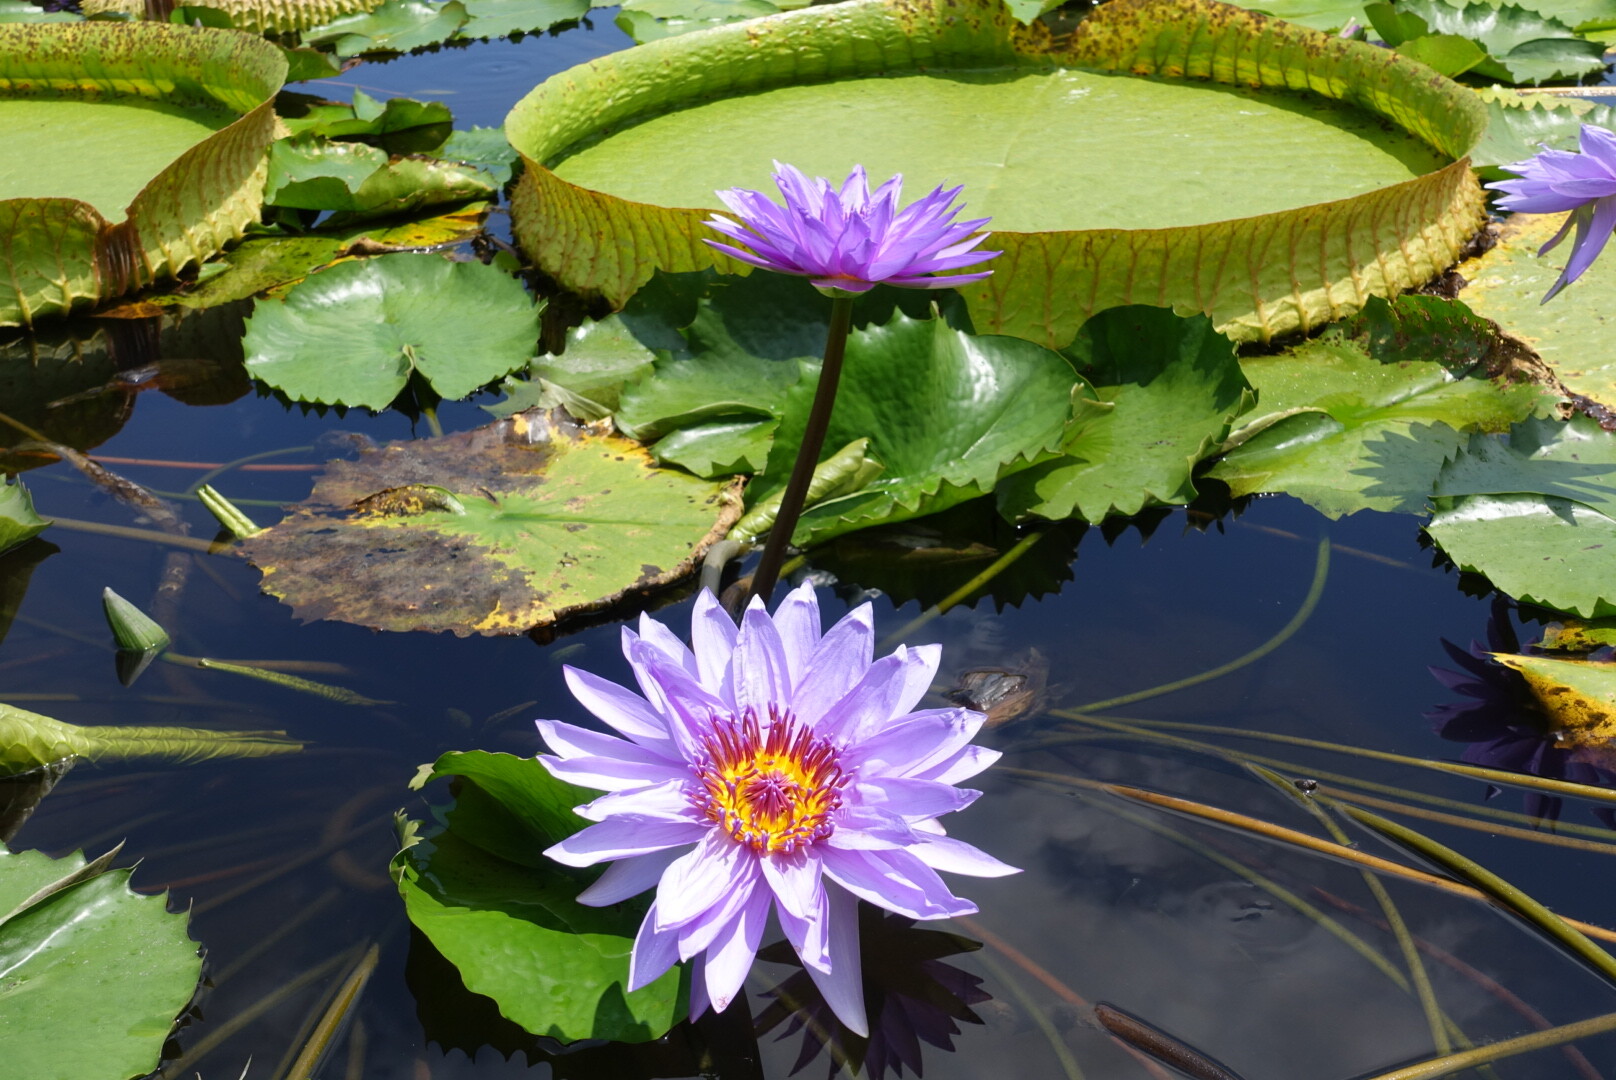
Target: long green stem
[
  {"x": 1538, "y": 1040},
  {"x": 813, "y": 440}
]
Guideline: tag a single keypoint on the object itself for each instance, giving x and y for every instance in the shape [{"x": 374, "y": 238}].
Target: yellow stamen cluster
[{"x": 772, "y": 788}]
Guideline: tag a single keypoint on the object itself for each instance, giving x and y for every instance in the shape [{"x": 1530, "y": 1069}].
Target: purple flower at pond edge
[
  {"x": 1553, "y": 181},
  {"x": 768, "y": 768},
  {"x": 850, "y": 239}
]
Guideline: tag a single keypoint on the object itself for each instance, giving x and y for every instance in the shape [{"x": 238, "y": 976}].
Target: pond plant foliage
[
  {"x": 1256, "y": 253},
  {"x": 191, "y": 113}
]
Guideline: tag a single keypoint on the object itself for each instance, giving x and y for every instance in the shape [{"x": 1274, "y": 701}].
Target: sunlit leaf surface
[
  {"x": 18, "y": 521},
  {"x": 356, "y": 332},
  {"x": 1579, "y": 696},
  {"x": 493, "y": 531},
  {"x": 1376, "y": 200},
  {"x": 505, "y": 916},
  {"x": 1362, "y": 417},
  {"x": 94, "y": 973}
]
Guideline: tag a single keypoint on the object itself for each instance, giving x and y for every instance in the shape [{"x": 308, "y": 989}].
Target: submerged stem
[{"x": 813, "y": 440}]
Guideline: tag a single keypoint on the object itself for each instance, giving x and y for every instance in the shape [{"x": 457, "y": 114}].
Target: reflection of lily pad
[
  {"x": 95, "y": 973},
  {"x": 125, "y": 163},
  {"x": 1347, "y": 190},
  {"x": 556, "y": 519}
]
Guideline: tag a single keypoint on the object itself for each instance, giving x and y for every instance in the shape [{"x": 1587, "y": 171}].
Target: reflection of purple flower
[
  {"x": 1503, "y": 722},
  {"x": 769, "y": 767},
  {"x": 1553, "y": 181},
  {"x": 849, "y": 239},
  {"x": 913, "y": 997}
]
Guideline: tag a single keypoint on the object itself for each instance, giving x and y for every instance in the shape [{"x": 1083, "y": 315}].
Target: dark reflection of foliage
[
  {"x": 1503, "y": 723},
  {"x": 929, "y": 558},
  {"x": 20, "y": 795},
  {"x": 911, "y": 996},
  {"x": 76, "y": 382},
  {"x": 16, "y": 569},
  {"x": 457, "y": 1019}
]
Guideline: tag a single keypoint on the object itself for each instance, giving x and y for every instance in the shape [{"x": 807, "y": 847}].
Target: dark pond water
[{"x": 283, "y": 861}]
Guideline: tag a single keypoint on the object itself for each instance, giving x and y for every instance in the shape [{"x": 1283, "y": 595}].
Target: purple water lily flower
[
  {"x": 1552, "y": 181},
  {"x": 850, "y": 239},
  {"x": 768, "y": 768}
]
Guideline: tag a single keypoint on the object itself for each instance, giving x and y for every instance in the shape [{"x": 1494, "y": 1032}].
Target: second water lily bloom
[
  {"x": 1554, "y": 181},
  {"x": 768, "y": 769},
  {"x": 851, "y": 239}
]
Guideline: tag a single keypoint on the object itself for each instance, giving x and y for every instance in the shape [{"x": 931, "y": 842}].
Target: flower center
[{"x": 772, "y": 788}]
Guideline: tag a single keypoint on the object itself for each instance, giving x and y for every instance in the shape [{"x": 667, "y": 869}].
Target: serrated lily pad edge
[
  {"x": 57, "y": 253},
  {"x": 1046, "y": 284}
]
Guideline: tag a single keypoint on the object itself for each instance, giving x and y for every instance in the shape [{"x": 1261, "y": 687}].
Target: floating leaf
[
  {"x": 1356, "y": 419},
  {"x": 1519, "y": 127},
  {"x": 398, "y": 125},
  {"x": 1536, "y": 513},
  {"x": 309, "y": 173},
  {"x": 190, "y": 112},
  {"x": 395, "y": 26},
  {"x": 559, "y": 520},
  {"x": 1521, "y": 45},
  {"x": 252, "y": 16},
  {"x": 497, "y": 18},
  {"x": 1571, "y": 335},
  {"x": 651, "y": 20},
  {"x": 95, "y": 973},
  {"x": 1165, "y": 389},
  {"x": 483, "y": 149},
  {"x": 484, "y": 894},
  {"x": 1341, "y": 204},
  {"x": 948, "y": 415},
  {"x": 31, "y": 741},
  {"x": 354, "y": 333},
  {"x": 1579, "y": 695},
  {"x": 18, "y": 521}
]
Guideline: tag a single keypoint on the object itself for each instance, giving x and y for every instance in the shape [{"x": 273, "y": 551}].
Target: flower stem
[{"x": 813, "y": 440}]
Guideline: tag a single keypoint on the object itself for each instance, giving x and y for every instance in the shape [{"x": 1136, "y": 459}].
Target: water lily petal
[
  {"x": 760, "y": 673},
  {"x": 628, "y": 877},
  {"x": 622, "y": 837},
  {"x": 894, "y": 880},
  {"x": 612, "y": 704},
  {"x": 957, "y": 857},
  {"x": 729, "y": 958},
  {"x": 795, "y": 881},
  {"x": 797, "y": 620},
  {"x": 667, "y": 801},
  {"x": 842, "y": 986},
  {"x": 701, "y": 879},
  {"x": 712, "y": 633},
  {"x": 655, "y": 951}
]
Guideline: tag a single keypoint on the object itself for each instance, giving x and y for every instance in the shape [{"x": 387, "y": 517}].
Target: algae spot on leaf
[
  {"x": 354, "y": 333},
  {"x": 514, "y": 559}
]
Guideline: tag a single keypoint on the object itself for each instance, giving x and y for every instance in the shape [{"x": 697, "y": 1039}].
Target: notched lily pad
[{"x": 556, "y": 518}]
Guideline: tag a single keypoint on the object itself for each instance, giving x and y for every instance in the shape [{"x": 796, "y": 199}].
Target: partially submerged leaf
[
  {"x": 482, "y": 891},
  {"x": 497, "y": 18},
  {"x": 559, "y": 519},
  {"x": 1578, "y": 695},
  {"x": 18, "y": 521},
  {"x": 1520, "y": 45},
  {"x": 398, "y": 125},
  {"x": 1518, "y": 127},
  {"x": 354, "y": 333},
  {"x": 310, "y": 173},
  {"x": 395, "y": 26},
  {"x": 31, "y": 741},
  {"x": 95, "y": 973}
]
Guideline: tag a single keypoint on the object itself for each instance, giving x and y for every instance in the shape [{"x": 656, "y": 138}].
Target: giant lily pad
[
  {"x": 95, "y": 973},
  {"x": 131, "y": 152},
  {"x": 1292, "y": 175},
  {"x": 253, "y": 16},
  {"x": 494, "y": 531}
]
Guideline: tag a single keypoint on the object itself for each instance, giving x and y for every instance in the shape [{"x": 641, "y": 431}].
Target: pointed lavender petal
[
  {"x": 843, "y": 986},
  {"x": 627, "y": 878}
]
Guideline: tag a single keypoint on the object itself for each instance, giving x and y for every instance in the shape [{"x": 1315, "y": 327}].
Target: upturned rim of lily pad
[
  {"x": 1336, "y": 254},
  {"x": 57, "y": 254}
]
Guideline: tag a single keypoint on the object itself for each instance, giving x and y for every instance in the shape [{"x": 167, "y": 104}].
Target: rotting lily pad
[
  {"x": 1571, "y": 334},
  {"x": 1056, "y": 126},
  {"x": 1580, "y": 696},
  {"x": 513, "y": 526},
  {"x": 124, "y": 164}
]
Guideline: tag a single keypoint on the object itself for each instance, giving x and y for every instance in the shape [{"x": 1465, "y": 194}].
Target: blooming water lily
[
  {"x": 849, "y": 239},
  {"x": 768, "y": 769},
  {"x": 1552, "y": 181}
]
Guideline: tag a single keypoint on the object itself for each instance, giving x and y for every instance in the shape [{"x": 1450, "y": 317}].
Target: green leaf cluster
[
  {"x": 1502, "y": 42},
  {"x": 482, "y": 891}
]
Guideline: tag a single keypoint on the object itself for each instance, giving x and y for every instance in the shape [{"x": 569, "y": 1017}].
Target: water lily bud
[{"x": 133, "y": 628}]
